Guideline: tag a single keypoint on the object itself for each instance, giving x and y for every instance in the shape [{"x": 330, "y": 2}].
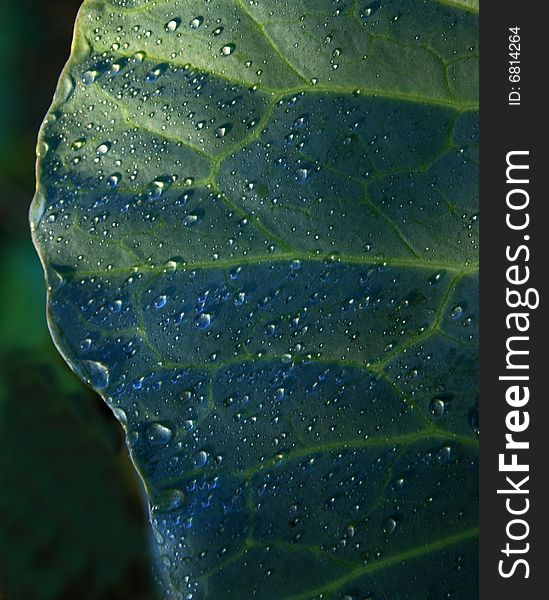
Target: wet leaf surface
[{"x": 259, "y": 223}]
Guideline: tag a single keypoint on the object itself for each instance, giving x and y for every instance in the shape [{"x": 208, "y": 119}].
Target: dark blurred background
[{"x": 72, "y": 512}]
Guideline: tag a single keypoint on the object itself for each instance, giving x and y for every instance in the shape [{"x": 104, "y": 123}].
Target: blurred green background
[{"x": 72, "y": 513}]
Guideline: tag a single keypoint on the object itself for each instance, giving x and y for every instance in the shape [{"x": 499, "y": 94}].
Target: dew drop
[
  {"x": 159, "y": 433},
  {"x": 76, "y": 145},
  {"x": 172, "y": 25},
  {"x": 140, "y": 56},
  {"x": 436, "y": 277},
  {"x": 370, "y": 9},
  {"x": 235, "y": 272},
  {"x": 438, "y": 406},
  {"x": 303, "y": 173},
  {"x": 42, "y": 148},
  {"x": 228, "y": 49},
  {"x": 117, "y": 66},
  {"x": 85, "y": 344},
  {"x": 116, "y": 306},
  {"x": 157, "y": 187},
  {"x": 280, "y": 393},
  {"x": 113, "y": 180},
  {"x": 200, "y": 459},
  {"x": 173, "y": 263},
  {"x": 155, "y": 73},
  {"x": 160, "y": 302},
  {"x": 444, "y": 455},
  {"x": 121, "y": 416},
  {"x": 96, "y": 374},
  {"x": 457, "y": 312},
  {"x": 390, "y": 525},
  {"x": 223, "y": 130},
  {"x": 89, "y": 77},
  {"x": 103, "y": 148},
  {"x": 295, "y": 265},
  {"x": 193, "y": 218},
  {"x": 203, "y": 321},
  {"x": 196, "y": 22}
]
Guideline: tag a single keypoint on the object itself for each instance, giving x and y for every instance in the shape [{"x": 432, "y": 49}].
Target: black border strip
[{"x": 509, "y": 125}]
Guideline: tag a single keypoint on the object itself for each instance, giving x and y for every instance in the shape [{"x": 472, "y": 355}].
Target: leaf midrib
[{"x": 457, "y": 268}]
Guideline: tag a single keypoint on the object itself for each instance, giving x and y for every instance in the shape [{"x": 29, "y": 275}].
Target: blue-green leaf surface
[{"x": 258, "y": 221}]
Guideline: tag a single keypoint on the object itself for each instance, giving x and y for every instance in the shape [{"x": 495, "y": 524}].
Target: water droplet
[
  {"x": 157, "y": 187},
  {"x": 438, "y": 405},
  {"x": 457, "y": 312},
  {"x": 304, "y": 172},
  {"x": 196, "y": 22},
  {"x": 113, "y": 180},
  {"x": 85, "y": 344},
  {"x": 103, "y": 148},
  {"x": 96, "y": 374},
  {"x": 200, "y": 459},
  {"x": 223, "y": 130},
  {"x": 121, "y": 416},
  {"x": 228, "y": 49},
  {"x": 42, "y": 148},
  {"x": 370, "y": 9},
  {"x": 280, "y": 393},
  {"x": 398, "y": 483},
  {"x": 436, "y": 277},
  {"x": 173, "y": 24},
  {"x": 159, "y": 433},
  {"x": 155, "y": 73},
  {"x": 76, "y": 145},
  {"x": 193, "y": 217},
  {"x": 140, "y": 56},
  {"x": 161, "y": 301},
  {"x": 390, "y": 525},
  {"x": 89, "y": 77},
  {"x": 116, "y": 306},
  {"x": 117, "y": 66},
  {"x": 173, "y": 263},
  {"x": 444, "y": 455},
  {"x": 203, "y": 321},
  {"x": 240, "y": 299}
]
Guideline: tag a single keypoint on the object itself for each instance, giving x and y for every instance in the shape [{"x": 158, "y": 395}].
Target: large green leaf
[{"x": 258, "y": 222}]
